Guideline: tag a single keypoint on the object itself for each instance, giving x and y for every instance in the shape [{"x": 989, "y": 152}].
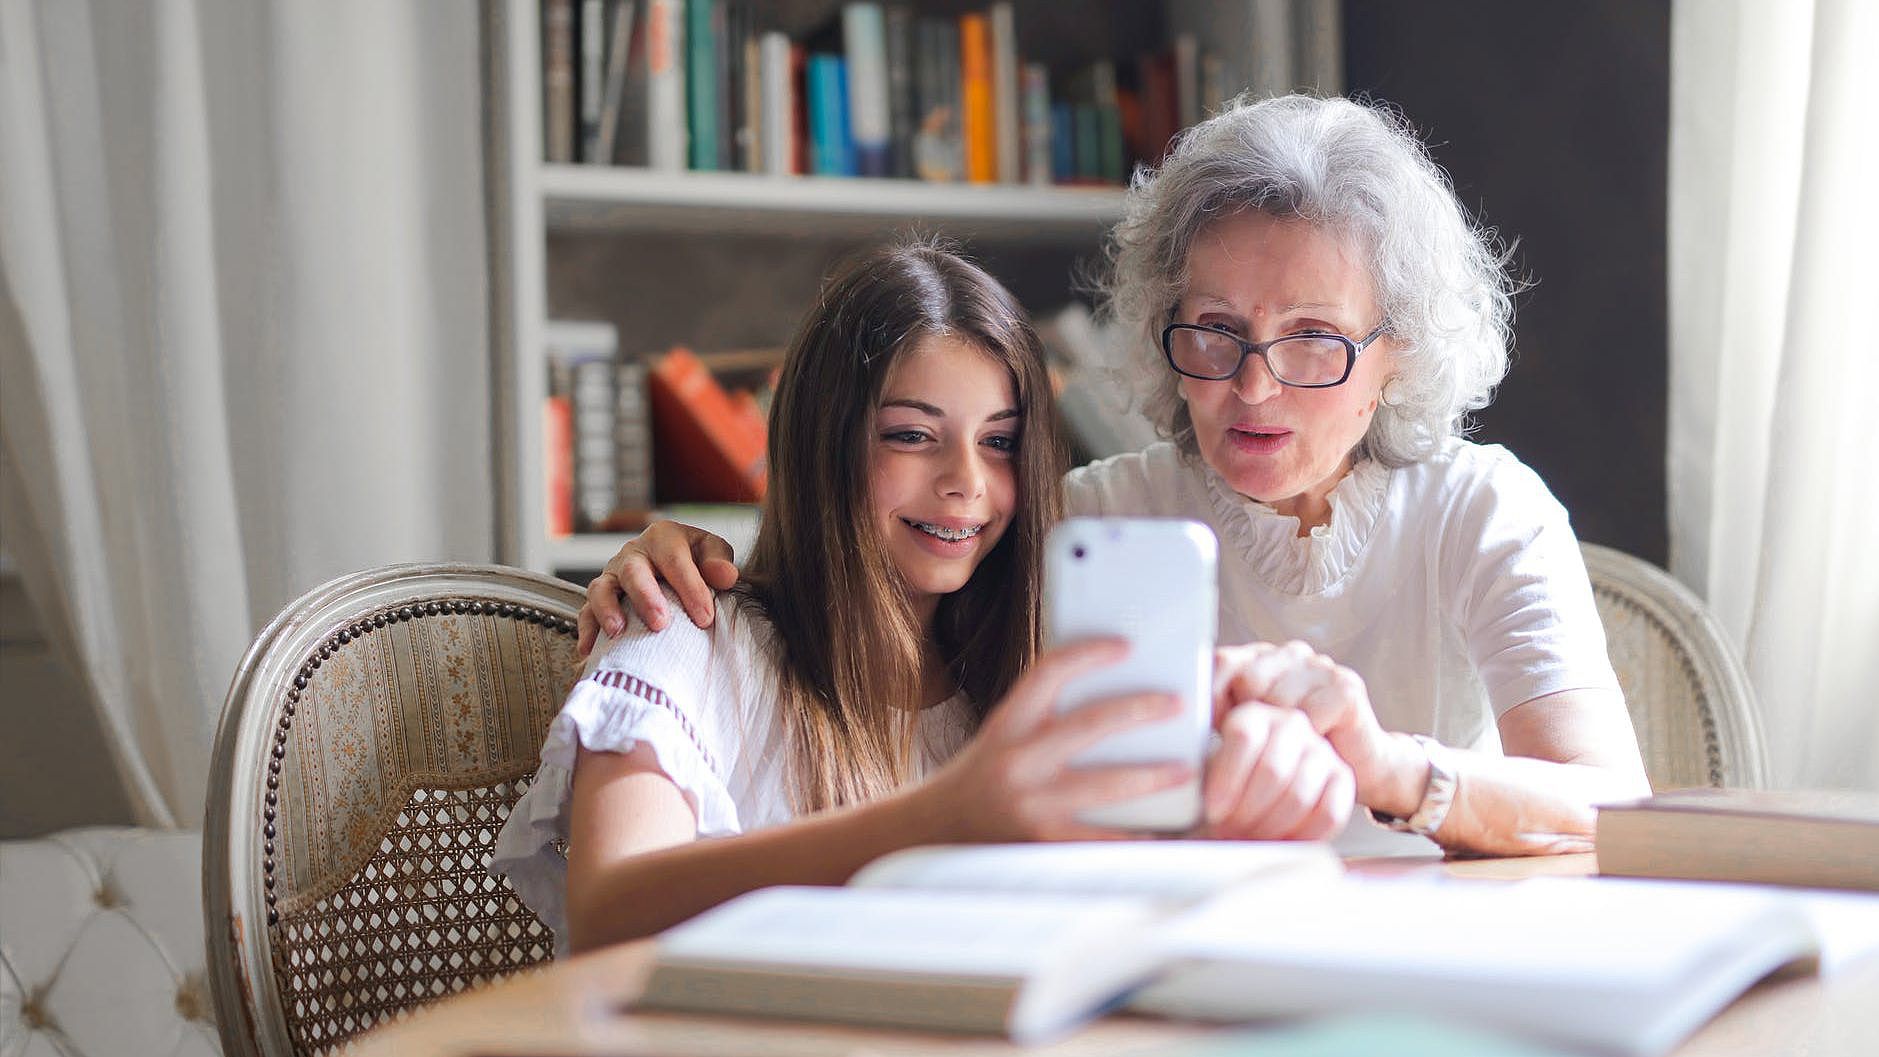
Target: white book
[
  {"x": 667, "y": 140},
  {"x": 1007, "y": 105},
  {"x": 864, "y": 42},
  {"x": 777, "y": 132},
  {"x": 1617, "y": 967},
  {"x": 1021, "y": 940}
]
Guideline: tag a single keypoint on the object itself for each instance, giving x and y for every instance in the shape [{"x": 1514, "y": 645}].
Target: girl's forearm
[{"x": 649, "y": 892}]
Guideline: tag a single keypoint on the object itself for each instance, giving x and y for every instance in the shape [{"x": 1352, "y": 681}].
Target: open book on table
[
  {"x": 1029, "y": 940},
  {"x": 1024, "y": 940}
]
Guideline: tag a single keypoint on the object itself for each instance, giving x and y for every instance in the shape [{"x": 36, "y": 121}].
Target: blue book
[
  {"x": 832, "y": 150},
  {"x": 1063, "y": 144}
]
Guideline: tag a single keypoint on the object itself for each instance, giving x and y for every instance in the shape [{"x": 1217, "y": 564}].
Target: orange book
[
  {"x": 980, "y": 125},
  {"x": 558, "y": 465},
  {"x": 708, "y": 447}
]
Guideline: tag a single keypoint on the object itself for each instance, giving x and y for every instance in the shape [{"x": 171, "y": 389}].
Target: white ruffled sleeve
[{"x": 662, "y": 689}]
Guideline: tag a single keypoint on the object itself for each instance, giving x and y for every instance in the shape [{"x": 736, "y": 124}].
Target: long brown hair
[{"x": 849, "y": 647}]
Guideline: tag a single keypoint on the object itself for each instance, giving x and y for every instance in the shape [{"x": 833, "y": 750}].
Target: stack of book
[
  {"x": 704, "y": 85},
  {"x": 624, "y": 434}
]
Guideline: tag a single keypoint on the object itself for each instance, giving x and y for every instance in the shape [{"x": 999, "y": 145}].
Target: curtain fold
[
  {"x": 242, "y": 329},
  {"x": 1774, "y": 494}
]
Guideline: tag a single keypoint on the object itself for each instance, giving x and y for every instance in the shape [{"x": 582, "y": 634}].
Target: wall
[{"x": 1553, "y": 120}]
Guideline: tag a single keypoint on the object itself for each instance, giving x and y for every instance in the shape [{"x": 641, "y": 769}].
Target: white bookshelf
[{"x": 530, "y": 200}]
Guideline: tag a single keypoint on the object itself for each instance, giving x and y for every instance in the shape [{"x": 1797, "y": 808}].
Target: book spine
[
  {"x": 864, "y": 40},
  {"x": 593, "y": 73},
  {"x": 558, "y": 115},
  {"x": 778, "y": 134},
  {"x": 725, "y": 94},
  {"x": 900, "y": 89},
  {"x": 1109, "y": 116},
  {"x": 612, "y": 101},
  {"x": 558, "y": 465},
  {"x": 1037, "y": 139},
  {"x": 595, "y": 474},
  {"x": 667, "y": 131},
  {"x": 975, "y": 81},
  {"x": 1063, "y": 148},
  {"x": 1007, "y": 102},
  {"x": 802, "y": 157},
  {"x": 632, "y": 434},
  {"x": 701, "y": 83},
  {"x": 1089, "y": 143},
  {"x": 844, "y": 136},
  {"x": 750, "y": 125},
  {"x": 825, "y": 107},
  {"x": 1272, "y": 47}
]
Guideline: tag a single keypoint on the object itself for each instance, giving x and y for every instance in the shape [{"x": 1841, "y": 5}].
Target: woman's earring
[{"x": 1390, "y": 396}]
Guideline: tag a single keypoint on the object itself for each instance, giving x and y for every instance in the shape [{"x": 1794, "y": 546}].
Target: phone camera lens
[{"x": 1077, "y": 552}]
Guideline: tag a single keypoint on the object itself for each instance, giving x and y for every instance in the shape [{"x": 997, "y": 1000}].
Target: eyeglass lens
[{"x": 1305, "y": 359}]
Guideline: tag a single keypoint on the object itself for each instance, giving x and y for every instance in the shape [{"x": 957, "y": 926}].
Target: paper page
[
  {"x": 1165, "y": 870},
  {"x": 897, "y": 930},
  {"x": 1614, "y": 934}
]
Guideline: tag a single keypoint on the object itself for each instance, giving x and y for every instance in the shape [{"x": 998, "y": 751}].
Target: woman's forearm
[
  {"x": 649, "y": 892},
  {"x": 1566, "y": 757}
]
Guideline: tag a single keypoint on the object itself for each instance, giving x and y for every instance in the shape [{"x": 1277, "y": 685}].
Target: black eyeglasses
[{"x": 1305, "y": 361}]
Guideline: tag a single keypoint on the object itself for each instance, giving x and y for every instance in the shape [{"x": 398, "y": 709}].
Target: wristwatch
[{"x": 1437, "y": 796}]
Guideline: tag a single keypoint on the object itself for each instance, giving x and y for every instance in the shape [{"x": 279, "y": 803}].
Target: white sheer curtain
[
  {"x": 243, "y": 331},
  {"x": 1774, "y": 361}
]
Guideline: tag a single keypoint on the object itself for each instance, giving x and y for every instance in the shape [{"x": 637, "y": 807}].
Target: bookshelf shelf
[
  {"x": 589, "y": 551},
  {"x": 592, "y": 198},
  {"x": 586, "y": 551}
]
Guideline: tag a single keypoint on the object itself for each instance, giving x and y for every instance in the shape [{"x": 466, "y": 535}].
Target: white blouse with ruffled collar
[{"x": 1454, "y": 585}]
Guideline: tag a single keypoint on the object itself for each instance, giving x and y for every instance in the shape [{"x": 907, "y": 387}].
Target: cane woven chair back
[
  {"x": 374, "y": 740},
  {"x": 1690, "y": 699}
]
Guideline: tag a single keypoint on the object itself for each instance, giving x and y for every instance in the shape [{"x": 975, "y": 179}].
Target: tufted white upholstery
[{"x": 101, "y": 946}]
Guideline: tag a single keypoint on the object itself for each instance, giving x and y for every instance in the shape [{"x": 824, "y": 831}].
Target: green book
[{"x": 701, "y": 81}]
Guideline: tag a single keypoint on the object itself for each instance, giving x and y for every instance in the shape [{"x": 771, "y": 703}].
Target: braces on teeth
[{"x": 950, "y": 535}]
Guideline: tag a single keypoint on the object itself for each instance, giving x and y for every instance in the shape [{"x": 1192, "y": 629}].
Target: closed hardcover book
[
  {"x": 864, "y": 43},
  {"x": 1785, "y": 837},
  {"x": 593, "y": 38},
  {"x": 653, "y": 128},
  {"x": 558, "y": 104},
  {"x": 558, "y": 465},
  {"x": 706, "y": 446},
  {"x": 701, "y": 81},
  {"x": 980, "y": 119},
  {"x": 900, "y": 89},
  {"x": 777, "y": 130},
  {"x": 613, "y": 98},
  {"x": 1037, "y": 144},
  {"x": 1007, "y": 98}
]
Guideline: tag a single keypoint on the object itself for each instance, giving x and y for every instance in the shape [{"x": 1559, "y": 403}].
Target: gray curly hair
[{"x": 1354, "y": 169}]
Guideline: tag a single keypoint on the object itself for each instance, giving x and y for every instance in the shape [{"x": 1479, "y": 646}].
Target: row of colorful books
[
  {"x": 702, "y": 85},
  {"x": 623, "y": 435}
]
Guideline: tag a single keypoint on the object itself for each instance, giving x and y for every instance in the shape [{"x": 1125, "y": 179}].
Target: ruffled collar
[{"x": 1270, "y": 543}]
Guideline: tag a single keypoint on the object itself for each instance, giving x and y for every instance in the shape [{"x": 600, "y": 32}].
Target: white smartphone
[{"x": 1150, "y": 581}]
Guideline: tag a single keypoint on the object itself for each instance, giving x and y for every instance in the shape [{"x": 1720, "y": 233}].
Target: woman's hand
[
  {"x": 1337, "y": 705},
  {"x": 1274, "y": 778},
  {"x": 1014, "y": 780},
  {"x": 694, "y": 562}
]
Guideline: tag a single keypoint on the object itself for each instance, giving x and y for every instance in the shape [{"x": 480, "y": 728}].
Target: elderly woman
[{"x": 1317, "y": 316}]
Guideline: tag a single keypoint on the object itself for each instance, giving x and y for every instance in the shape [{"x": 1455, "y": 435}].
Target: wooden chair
[
  {"x": 375, "y": 737},
  {"x": 1690, "y": 699}
]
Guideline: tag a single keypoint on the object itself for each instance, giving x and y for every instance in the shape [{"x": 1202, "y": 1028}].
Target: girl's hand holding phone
[{"x": 1014, "y": 781}]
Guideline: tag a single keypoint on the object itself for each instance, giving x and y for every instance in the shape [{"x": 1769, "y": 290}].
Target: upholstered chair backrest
[
  {"x": 1690, "y": 699},
  {"x": 374, "y": 740}
]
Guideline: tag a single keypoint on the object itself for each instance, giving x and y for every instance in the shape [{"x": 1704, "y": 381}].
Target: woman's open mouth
[{"x": 1259, "y": 440}]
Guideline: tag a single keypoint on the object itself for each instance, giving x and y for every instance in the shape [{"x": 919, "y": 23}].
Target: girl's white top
[
  {"x": 705, "y": 701},
  {"x": 1454, "y": 585}
]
